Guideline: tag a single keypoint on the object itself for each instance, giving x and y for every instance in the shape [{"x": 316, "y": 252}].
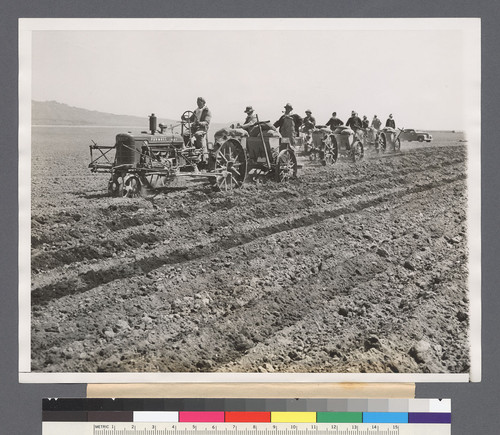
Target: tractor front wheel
[{"x": 131, "y": 186}]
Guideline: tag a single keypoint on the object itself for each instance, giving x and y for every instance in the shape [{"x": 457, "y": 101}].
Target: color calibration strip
[{"x": 397, "y": 411}]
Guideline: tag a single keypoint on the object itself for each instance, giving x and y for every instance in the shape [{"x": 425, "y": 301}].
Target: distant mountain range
[{"x": 55, "y": 113}]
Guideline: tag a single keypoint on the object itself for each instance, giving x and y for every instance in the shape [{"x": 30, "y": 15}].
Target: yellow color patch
[{"x": 293, "y": 417}]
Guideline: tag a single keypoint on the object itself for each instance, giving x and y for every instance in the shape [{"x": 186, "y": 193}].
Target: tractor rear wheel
[
  {"x": 286, "y": 166},
  {"x": 229, "y": 164}
]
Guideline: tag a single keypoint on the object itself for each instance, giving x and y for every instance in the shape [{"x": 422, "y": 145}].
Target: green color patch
[{"x": 339, "y": 417}]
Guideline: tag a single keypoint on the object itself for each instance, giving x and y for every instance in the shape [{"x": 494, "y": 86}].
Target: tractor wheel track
[
  {"x": 190, "y": 302},
  {"x": 232, "y": 348},
  {"x": 79, "y": 281},
  {"x": 158, "y": 233}
]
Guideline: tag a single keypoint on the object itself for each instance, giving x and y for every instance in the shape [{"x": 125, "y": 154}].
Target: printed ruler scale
[
  {"x": 82, "y": 428},
  {"x": 246, "y": 417}
]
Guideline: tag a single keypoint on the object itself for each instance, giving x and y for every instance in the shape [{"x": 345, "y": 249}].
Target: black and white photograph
[{"x": 249, "y": 199}]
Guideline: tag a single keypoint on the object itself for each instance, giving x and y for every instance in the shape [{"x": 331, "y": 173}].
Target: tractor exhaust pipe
[{"x": 152, "y": 123}]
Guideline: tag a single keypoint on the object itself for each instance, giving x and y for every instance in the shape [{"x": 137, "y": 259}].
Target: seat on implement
[
  {"x": 321, "y": 129},
  {"x": 344, "y": 130},
  {"x": 266, "y": 128},
  {"x": 226, "y": 133}
]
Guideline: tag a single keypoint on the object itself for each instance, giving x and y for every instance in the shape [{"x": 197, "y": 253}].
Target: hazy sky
[{"x": 418, "y": 75}]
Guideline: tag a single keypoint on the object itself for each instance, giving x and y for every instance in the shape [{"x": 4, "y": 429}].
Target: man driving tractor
[
  {"x": 376, "y": 123},
  {"x": 390, "y": 122},
  {"x": 250, "y": 120},
  {"x": 334, "y": 122},
  {"x": 354, "y": 122},
  {"x": 200, "y": 120}
]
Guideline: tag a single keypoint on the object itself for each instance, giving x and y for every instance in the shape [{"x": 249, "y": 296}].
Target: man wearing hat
[
  {"x": 376, "y": 122},
  {"x": 390, "y": 122},
  {"x": 354, "y": 122},
  {"x": 307, "y": 127},
  {"x": 334, "y": 122},
  {"x": 289, "y": 124},
  {"x": 365, "y": 123},
  {"x": 250, "y": 120},
  {"x": 309, "y": 121}
]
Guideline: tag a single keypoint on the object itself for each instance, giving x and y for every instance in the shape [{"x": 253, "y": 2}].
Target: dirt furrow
[
  {"x": 77, "y": 281},
  {"x": 122, "y": 215},
  {"x": 97, "y": 248},
  {"x": 178, "y": 319},
  {"x": 347, "y": 268}
]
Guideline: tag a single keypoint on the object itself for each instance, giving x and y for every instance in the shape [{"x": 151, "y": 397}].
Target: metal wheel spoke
[
  {"x": 237, "y": 157},
  {"x": 223, "y": 156},
  {"x": 236, "y": 182}
]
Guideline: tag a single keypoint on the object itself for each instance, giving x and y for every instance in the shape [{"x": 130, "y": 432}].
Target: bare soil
[{"x": 349, "y": 268}]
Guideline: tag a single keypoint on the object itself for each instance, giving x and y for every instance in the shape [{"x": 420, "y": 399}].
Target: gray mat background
[{"x": 474, "y": 406}]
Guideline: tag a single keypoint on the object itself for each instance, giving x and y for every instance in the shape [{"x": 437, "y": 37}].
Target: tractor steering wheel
[
  {"x": 187, "y": 115},
  {"x": 186, "y": 122}
]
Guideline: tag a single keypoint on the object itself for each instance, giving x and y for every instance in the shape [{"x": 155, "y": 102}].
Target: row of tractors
[
  {"x": 143, "y": 163},
  {"x": 327, "y": 146}
]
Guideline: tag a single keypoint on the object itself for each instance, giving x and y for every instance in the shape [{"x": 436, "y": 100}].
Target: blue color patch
[{"x": 385, "y": 417}]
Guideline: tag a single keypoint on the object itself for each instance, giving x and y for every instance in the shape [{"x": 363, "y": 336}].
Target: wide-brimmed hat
[
  {"x": 308, "y": 111},
  {"x": 289, "y": 106},
  {"x": 249, "y": 109}
]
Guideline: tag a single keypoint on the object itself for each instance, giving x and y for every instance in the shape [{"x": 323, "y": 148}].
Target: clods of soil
[{"x": 349, "y": 268}]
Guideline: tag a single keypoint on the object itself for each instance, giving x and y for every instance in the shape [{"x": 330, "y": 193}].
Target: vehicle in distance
[{"x": 409, "y": 135}]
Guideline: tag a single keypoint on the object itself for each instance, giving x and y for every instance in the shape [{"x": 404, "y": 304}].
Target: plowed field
[{"x": 349, "y": 268}]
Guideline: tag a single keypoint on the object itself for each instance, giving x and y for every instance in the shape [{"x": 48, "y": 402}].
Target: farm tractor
[{"x": 146, "y": 162}]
